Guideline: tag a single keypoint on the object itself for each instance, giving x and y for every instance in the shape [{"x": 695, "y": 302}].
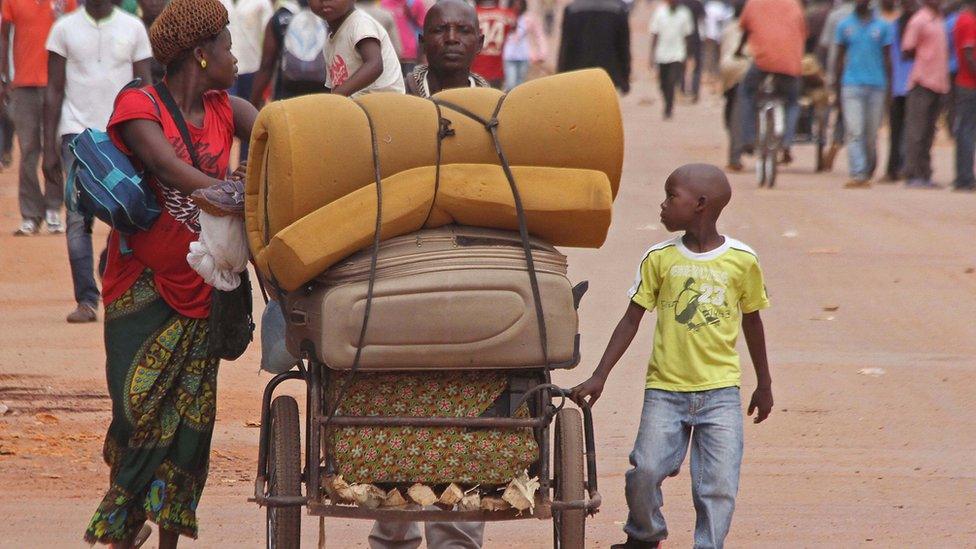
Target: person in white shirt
[
  {"x": 248, "y": 19},
  {"x": 671, "y": 31},
  {"x": 359, "y": 55},
  {"x": 717, "y": 14},
  {"x": 92, "y": 54}
]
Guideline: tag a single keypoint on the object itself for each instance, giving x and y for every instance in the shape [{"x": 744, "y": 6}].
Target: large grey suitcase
[{"x": 446, "y": 298}]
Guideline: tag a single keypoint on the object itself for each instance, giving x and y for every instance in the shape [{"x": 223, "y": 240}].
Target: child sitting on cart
[
  {"x": 360, "y": 57},
  {"x": 704, "y": 285}
]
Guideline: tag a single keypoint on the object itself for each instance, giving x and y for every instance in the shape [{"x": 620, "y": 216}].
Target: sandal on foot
[{"x": 142, "y": 537}]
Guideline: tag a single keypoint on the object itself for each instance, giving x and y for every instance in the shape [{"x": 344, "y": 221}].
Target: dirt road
[{"x": 878, "y": 280}]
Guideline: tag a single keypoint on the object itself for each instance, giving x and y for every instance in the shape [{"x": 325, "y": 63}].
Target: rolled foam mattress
[
  {"x": 316, "y": 152},
  {"x": 469, "y": 194}
]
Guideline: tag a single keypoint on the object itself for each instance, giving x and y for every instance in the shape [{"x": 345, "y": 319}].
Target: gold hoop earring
[{"x": 203, "y": 63}]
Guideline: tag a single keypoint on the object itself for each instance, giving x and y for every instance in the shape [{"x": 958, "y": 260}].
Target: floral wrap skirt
[{"x": 163, "y": 387}]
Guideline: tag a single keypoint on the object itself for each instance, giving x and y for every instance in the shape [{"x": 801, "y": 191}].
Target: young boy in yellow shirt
[{"x": 703, "y": 285}]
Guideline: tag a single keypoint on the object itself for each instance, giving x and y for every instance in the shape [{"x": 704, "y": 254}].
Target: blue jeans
[
  {"x": 515, "y": 72},
  {"x": 965, "y": 137},
  {"x": 242, "y": 88},
  {"x": 748, "y": 89},
  {"x": 712, "y": 422},
  {"x": 863, "y": 109},
  {"x": 79, "y": 237}
]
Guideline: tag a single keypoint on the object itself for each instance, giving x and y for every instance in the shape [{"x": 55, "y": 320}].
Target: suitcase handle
[
  {"x": 298, "y": 317},
  {"x": 579, "y": 291}
]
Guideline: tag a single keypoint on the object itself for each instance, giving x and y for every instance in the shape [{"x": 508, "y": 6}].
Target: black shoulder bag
[{"x": 231, "y": 315}]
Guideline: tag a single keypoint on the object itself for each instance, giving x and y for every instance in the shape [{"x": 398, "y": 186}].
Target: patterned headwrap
[{"x": 183, "y": 24}]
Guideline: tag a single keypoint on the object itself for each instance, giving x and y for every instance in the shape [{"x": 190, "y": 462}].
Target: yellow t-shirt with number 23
[{"x": 700, "y": 299}]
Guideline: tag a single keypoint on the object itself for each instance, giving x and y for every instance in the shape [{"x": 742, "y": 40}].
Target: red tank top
[{"x": 164, "y": 247}]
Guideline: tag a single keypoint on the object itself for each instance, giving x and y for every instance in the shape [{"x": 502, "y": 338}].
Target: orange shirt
[
  {"x": 32, "y": 21},
  {"x": 777, "y": 31}
]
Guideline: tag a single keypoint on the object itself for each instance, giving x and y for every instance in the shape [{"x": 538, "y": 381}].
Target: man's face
[
  {"x": 452, "y": 38},
  {"x": 862, "y": 6},
  {"x": 934, "y": 4}
]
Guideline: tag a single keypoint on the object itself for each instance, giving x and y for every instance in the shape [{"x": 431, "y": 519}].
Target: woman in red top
[{"x": 161, "y": 377}]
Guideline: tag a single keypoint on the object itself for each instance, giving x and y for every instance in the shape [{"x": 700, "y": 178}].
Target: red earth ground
[{"x": 868, "y": 279}]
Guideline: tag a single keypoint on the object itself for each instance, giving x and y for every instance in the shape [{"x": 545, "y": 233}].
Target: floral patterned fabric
[
  {"x": 163, "y": 386},
  {"x": 427, "y": 455}
]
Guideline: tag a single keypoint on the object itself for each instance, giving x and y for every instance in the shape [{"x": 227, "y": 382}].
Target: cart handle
[
  {"x": 556, "y": 390},
  {"x": 265, "y": 418}
]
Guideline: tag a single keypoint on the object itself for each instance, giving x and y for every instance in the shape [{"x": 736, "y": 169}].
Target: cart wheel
[
  {"x": 284, "y": 474},
  {"x": 570, "y": 526}
]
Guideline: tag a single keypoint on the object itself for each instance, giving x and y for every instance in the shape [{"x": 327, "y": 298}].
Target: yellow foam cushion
[
  {"x": 566, "y": 207},
  {"x": 569, "y": 120},
  {"x": 312, "y": 244},
  {"x": 288, "y": 145},
  {"x": 480, "y": 195},
  {"x": 311, "y": 151}
]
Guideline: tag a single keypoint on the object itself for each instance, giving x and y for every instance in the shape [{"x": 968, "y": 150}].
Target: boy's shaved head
[
  {"x": 704, "y": 181},
  {"x": 695, "y": 193}
]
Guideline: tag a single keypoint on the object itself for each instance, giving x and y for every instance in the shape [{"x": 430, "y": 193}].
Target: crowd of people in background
[
  {"x": 908, "y": 61},
  {"x": 905, "y": 63}
]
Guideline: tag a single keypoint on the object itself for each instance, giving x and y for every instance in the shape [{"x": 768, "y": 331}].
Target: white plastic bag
[{"x": 221, "y": 253}]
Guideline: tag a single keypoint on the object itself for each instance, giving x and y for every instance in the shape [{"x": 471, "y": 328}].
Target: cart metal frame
[{"x": 316, "y": 461}]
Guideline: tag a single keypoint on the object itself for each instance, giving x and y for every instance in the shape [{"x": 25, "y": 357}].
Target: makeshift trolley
[
  {"x": 427, "y": 357},
  {"x": 485, "y": 269}
]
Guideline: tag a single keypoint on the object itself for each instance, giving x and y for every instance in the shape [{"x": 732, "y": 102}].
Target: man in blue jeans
[
  {"x": 92, "y": 53},
  {"x": 863, "y": 77}
]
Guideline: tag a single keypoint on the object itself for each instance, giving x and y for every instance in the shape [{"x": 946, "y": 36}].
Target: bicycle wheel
[
  {"x": 771, "y": 147},
  {"x": 762, "y": 136},
  {"x": 820, "y": 134},
  {"x": 771, "y": 169}
]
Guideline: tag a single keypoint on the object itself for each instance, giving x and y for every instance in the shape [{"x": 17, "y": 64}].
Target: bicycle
[{"x": 770, "y": 125}]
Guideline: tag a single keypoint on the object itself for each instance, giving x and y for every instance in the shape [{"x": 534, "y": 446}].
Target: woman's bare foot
[{"x": 168, "y": 539}]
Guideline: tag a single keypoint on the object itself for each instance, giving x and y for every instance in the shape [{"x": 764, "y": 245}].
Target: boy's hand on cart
[
  {"x": 590, "y": 390},
  {"x": 762, "y": 403}
]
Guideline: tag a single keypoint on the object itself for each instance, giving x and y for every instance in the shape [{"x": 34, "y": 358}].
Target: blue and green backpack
[{"x": 103, "y": 183}]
